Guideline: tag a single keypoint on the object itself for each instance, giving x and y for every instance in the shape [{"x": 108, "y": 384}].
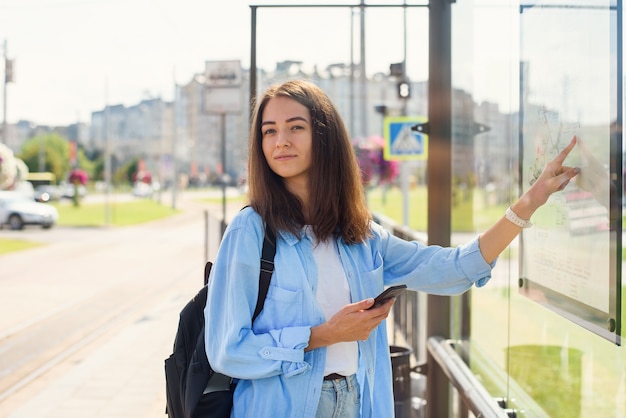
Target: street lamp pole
[{"x": 224, "y": 175}]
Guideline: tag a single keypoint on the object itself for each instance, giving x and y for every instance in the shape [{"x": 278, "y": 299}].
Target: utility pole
[
  {"x": 175, "y": 103},
  {"x": 362, "y": 75},
  {"x": 404, "y": 169},
  {"x": 404, "y": 77},
  {"x": 107, "y": 156},
  {"x": 7, "y": 78}
]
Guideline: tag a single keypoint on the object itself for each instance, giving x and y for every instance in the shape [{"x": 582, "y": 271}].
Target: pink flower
[
  {"x": 143, "y": 176},
  {"x": 78, "y": 176},
  {"x": 374, "y": 168}
]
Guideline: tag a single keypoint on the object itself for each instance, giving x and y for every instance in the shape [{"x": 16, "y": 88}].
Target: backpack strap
[
  {"x": 267, "y": 268},
  {"x": 207, "y": 271}
]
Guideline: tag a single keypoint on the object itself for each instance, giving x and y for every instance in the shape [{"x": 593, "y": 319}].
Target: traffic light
[
  {"x": 404, "y": 89},
  {"x": 8, "y": 71},
  {"x": 396, "y": 69}
]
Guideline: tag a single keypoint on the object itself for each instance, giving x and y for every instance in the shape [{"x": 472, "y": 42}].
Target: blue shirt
[{"x": 277, "y": 377}]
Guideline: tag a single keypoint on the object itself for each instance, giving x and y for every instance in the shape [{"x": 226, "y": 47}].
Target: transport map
[{"x": 568, "y": 72}]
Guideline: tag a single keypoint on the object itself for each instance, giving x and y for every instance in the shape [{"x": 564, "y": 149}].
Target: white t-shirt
[{"x": 333, "y": 293}]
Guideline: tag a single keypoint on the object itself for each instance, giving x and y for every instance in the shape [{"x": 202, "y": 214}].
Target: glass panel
[
  {"x": 539, "y": 362},
  {"x": 485, "y": 57}
]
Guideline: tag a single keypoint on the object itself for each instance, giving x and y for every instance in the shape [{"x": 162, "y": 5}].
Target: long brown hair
[{"x": 337, "y": 200}]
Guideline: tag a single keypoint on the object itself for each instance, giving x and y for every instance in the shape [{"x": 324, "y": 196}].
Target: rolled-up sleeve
[
  {"x": 289, "y": 349},
  {"x": 473, "y": 263}
]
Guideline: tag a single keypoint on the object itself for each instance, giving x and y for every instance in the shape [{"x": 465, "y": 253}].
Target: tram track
[
  {"x": 61, "y": 334},
  {"x": 121, "y": 275}
]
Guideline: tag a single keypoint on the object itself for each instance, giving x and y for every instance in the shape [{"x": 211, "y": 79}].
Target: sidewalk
[{"x": 122, "y": 378}]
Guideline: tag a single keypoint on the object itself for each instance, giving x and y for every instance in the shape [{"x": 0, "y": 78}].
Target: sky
[{"x": 73, "y": 57}]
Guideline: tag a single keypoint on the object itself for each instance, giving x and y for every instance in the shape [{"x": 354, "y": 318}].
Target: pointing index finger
[{"x": 565, "y": 151}]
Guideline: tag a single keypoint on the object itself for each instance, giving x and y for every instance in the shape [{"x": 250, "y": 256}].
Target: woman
[{"x": 316, "y": 350}]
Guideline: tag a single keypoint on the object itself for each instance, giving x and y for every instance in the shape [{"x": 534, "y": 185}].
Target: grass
[
  {"x": 10, "y": 245},
  {"x": 466, "y": 215},
  {"x": 120, "y": 213},
  {"x": 241, "y": 199},
  {"x": 95, "y": 215}
]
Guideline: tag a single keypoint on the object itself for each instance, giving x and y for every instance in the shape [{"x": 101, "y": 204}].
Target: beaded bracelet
[{"x": 514, "y": 218}]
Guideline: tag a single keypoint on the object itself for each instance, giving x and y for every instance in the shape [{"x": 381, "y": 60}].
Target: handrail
[{"x": 473, "y": 393}]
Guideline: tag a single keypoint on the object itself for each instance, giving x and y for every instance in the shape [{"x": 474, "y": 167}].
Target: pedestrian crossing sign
[{"x": 402, "y": 142}]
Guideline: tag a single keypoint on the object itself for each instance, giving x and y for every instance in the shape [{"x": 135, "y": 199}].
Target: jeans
[{"x": 340, "y": 399}]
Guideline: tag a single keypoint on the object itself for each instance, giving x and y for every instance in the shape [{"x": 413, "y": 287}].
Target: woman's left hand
[{"x": 554, "y": 178}]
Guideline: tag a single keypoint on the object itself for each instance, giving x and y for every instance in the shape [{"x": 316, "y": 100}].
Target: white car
[
  {"x": 17, "y": 210},
  {"x": 141, "y": 189},
  {"x": 47, "y": 193}
]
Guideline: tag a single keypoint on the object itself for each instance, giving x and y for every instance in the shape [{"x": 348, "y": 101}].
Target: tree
[
  {"x": 126, "y": 173},
  {"x": 56, "y": 154}
]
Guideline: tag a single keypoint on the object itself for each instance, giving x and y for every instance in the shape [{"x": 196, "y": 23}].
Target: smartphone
[{"x": 387, "y": 294}]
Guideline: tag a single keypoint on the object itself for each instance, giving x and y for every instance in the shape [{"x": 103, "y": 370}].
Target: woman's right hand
[{"x": 353, "y": 322}]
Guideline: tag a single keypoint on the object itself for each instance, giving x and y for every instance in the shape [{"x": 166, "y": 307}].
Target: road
[{"x": 88, "y": 318}]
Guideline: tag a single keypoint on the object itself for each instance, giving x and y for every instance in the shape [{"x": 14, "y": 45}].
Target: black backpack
[{"x": 187, "y": 369}]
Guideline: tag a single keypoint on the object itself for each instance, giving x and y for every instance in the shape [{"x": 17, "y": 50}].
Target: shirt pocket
[
  {"x": 372, "y": 279},
  {"x": 283, "y": 308}
]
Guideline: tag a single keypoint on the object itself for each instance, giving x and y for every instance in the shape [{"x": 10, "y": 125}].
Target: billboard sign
[{"x": 223, "y": 81}]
